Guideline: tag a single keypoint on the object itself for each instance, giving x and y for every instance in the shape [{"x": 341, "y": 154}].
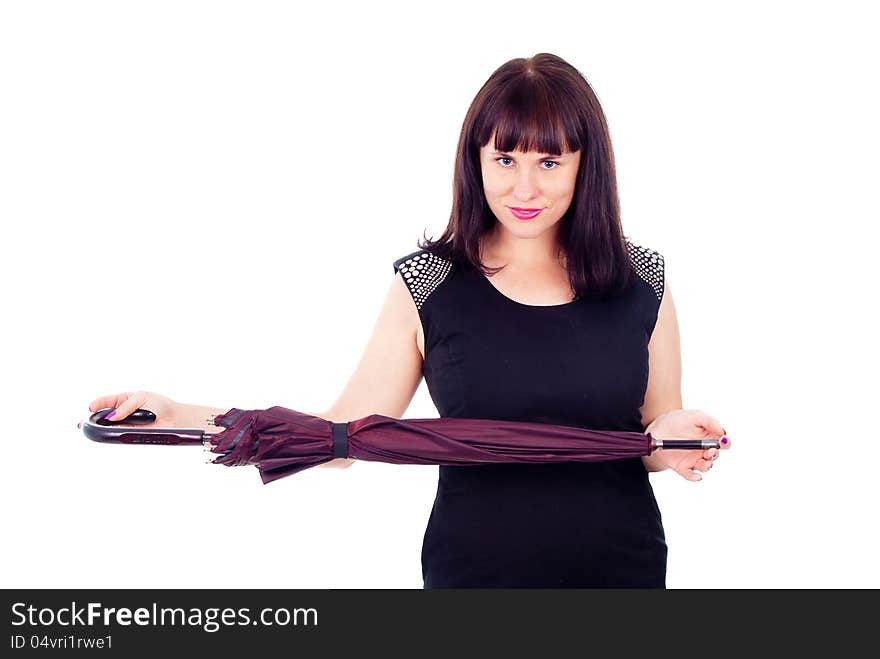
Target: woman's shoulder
[
  {"x": 648, "y": 264},
  {"x": 423, "y": 272},
  {"x": 421, "y": 257}
]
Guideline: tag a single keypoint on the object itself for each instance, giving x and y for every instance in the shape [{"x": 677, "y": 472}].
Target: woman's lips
[{"x": 525, "y": 213}]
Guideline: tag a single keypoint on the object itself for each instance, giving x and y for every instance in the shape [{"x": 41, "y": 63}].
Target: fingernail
[
  {"x": 110, "y": 414},
  {"x": 724, "y": 440}
]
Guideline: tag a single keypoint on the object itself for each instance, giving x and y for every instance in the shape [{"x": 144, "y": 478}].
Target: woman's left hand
[{"x": 687, "y": 424}]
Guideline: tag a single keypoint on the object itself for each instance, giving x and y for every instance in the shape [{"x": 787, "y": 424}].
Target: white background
[{"x": 204, "y": 199}]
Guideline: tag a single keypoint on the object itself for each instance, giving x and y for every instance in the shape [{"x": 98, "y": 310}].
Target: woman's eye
[{"x": 502, "y": 161}]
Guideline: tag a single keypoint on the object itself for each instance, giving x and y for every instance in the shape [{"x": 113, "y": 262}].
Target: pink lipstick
[{"x": 525, "y": 213}]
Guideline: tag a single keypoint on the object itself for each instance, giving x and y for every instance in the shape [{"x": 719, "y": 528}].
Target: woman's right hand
[{"x": 169, "y": 413}]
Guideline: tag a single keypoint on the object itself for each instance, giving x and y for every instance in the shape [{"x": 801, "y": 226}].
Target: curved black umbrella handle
[{"x": 99, "y": 429}]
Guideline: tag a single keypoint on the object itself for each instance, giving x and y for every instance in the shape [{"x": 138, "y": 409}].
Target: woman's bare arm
[
  {"x": 390, "y": 368},
  {"x": 664, "y": 370},
  {"x": 385, "y": 379}
]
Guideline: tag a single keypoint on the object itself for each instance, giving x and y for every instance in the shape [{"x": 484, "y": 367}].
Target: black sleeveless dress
[{"x": 583, "y": 363}]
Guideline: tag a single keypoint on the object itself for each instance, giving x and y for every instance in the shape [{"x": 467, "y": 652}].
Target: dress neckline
[{"x": 498, "y": 293}]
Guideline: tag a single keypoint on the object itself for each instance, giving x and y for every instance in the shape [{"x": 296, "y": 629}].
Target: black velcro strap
[{"x": 340, "y": 440}]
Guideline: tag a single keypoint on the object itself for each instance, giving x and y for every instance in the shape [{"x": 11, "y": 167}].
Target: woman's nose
[{"x": 525, "y": 188}]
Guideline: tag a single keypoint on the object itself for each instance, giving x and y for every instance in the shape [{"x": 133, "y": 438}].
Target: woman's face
[{"x": 528, "y": 180}]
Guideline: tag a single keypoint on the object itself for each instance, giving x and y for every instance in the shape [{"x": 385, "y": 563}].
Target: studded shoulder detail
[
  {"x": 423, "y": 273},
  {"x": 649, "y": 265}
]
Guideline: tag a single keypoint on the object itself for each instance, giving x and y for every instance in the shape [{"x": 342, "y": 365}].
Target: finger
[
  {"x": 111, "y": 401},
  {"x": 129, "y": 405},
  {"x": 703, "y": 465},
  {"x": 710, "y": 454},
  {"x": 689, "y": 474},
  {"x": 709, "y": 424}
]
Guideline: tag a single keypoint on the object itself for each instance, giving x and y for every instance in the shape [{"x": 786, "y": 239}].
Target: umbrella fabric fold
[{"x": 282, "y": 442}]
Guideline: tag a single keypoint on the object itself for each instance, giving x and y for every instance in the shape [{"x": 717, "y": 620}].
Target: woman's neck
[{"x": 501, "y": 248}]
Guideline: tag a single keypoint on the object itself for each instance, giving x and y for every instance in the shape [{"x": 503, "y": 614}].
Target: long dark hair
[{"x": 542, "y": 103}]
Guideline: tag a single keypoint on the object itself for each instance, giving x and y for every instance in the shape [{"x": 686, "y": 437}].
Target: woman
[{"x": 532, "y": 306}]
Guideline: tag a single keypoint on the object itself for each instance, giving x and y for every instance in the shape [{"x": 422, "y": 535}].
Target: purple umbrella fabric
[{"x": 282, "y": 442}]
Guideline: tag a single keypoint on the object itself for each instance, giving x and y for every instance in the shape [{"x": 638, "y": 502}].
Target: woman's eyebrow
[{"x": 546, "y": 155}]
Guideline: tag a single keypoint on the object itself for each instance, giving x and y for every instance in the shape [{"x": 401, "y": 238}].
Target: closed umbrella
[{"x": 282, "y": 441}]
